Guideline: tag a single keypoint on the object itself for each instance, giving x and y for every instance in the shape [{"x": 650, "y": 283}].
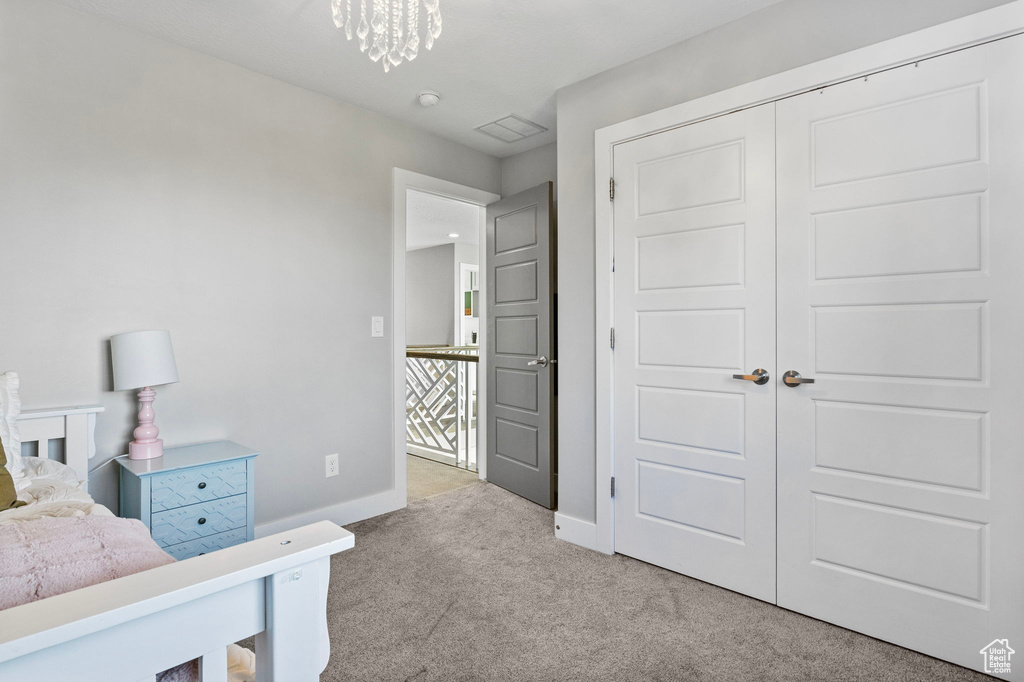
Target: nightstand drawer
[
  {"x": 198, "y": 520},
  {"x": 198, "y": 484},
  {"x": 187, "y": 550}
]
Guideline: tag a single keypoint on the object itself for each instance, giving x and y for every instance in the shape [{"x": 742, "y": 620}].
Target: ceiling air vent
[{"x": 511, "y": 128}]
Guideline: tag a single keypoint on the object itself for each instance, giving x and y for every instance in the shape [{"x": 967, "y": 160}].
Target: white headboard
[{"x": 75, "y": 425}]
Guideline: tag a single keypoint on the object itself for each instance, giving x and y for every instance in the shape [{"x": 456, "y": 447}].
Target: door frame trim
[
  {"x": 401, "y": 182},
  {"x": 975, "y": 29}
]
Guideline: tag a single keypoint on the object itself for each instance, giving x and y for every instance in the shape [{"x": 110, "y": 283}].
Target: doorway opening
[
  {"x": 440, "y": 324},
  {"x": 442, "y": 334}
]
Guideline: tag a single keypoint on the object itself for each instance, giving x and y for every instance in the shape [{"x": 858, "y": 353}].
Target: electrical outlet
[
  {"x": 331, "y": 464},
  {"x": 377, "y": 326}
]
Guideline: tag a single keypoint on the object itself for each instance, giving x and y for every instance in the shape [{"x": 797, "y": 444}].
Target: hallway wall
[{"x": 429, "y": 293}]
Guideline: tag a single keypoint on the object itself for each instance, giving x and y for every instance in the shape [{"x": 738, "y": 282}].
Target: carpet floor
[
  {"x": 472, "y": 585},
  {"x": 426, "y": 478}
]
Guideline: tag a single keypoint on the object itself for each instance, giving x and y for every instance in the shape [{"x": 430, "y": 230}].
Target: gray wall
[
  {"x": 778, "y": 38},
  {"x": 529, "y": 169},
  {"x": 145, "y": 186},
  {"x": 466, "y": 253},
  {"x": 429, "y": 296}
]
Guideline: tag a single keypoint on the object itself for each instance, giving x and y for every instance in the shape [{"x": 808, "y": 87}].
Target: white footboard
[{"x": 134, "y": 627}]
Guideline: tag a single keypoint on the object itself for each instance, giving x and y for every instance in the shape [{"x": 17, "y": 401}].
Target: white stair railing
[{"x": 440, "y": 404}]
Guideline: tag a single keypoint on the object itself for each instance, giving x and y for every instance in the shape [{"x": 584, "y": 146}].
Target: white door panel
[
  {"x": 900, "y": 272},
  {"x": 695, "y": 304}
]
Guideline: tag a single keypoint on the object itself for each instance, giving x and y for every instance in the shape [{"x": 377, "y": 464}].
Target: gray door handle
[
  {"x": 793, "y": 379},
  {"x": 759, "y": 377},
  {"x": 539, "y": 362}
]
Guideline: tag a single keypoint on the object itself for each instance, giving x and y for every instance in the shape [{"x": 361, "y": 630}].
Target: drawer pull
[
  {"x": 202, "y": 520},
  {"x": 202, "y": 485}
]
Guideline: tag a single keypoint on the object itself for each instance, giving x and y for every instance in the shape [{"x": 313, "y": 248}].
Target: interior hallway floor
[
  {"x": 426, "y": 478},
  {"x": 473, "y": 585}
]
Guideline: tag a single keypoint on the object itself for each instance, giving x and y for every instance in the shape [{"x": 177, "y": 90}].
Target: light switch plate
[{"x": 377, "y": 326}]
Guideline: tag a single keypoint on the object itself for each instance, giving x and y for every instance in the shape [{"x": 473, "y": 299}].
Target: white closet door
[
  {"x": 695, "y": 304},
  {"x": 901, "y": 272}
]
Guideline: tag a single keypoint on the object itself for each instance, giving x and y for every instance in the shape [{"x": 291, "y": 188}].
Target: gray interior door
[{"x": 520, "y": 345}]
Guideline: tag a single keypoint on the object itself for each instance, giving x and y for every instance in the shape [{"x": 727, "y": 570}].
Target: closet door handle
[
  {"x": 793, "y": 379},
  {"x": 759, "y": 377},
  {"x": 539, "y": 362}
]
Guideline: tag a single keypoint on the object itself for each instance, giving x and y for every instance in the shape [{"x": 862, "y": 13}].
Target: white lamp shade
[{"x": 142, "y": 359}]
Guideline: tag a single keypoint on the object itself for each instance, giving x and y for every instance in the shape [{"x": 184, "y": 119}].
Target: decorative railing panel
[{"x": 440, "y": 401}]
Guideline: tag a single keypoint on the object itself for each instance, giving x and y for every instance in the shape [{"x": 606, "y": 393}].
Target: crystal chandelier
[{"x": 394, "y": 24}]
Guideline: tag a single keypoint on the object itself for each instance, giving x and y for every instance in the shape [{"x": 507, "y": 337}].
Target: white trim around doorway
[
  {"x": 402, "y": 181},
  {"x": 975, "y": 29}
]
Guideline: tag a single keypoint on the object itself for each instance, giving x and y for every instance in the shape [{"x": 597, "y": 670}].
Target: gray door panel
[{"x": 520, "y": 329}]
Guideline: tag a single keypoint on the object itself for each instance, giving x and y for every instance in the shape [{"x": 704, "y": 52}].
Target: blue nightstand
[{"x": 195, "y": 499}]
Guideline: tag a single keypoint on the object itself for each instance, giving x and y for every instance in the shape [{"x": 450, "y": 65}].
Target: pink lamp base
[
  {"x": 152, "y": 450},
  {"x": 146, "y": 444}
]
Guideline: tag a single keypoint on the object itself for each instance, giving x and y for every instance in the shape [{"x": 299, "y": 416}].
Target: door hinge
[
  {"x": 611, "y": 189},
  {"x": 613, "y": 486},
  {"x": 611, "y": 338}
]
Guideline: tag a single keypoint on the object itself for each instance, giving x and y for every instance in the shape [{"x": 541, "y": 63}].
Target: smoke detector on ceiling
[
  {"x": 511, "y": 128},
  {"x": 428, "y": 98}
]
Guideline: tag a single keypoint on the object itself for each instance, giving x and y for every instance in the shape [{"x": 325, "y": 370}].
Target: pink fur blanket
[{"x": 50, "y": 556}]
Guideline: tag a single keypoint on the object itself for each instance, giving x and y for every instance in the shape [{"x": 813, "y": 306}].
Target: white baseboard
[
  {"x": 341, "y": 514},
  {"x": 582, "y": 533}
]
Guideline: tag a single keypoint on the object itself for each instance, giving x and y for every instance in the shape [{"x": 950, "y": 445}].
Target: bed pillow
[
  {"x": 8, "y": 495},
  {"x": 10, "y": 408}
]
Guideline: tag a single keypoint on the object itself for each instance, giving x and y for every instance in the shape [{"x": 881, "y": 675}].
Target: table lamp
[{"x": 142, "y": 360}]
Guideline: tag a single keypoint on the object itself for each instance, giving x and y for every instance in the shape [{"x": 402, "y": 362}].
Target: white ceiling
[
  {"x": 430, "y": 219},
  {"x": 494, "y": 57}
]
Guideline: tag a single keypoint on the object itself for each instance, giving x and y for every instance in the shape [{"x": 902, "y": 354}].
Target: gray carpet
[
  {"x": 472, "y": 585},
  {"x": 427, "y": 478}
]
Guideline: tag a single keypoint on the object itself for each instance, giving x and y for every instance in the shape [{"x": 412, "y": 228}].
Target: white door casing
[
  {"x": 694, "y": 290},
  {"x": 900, "y": 270}
]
